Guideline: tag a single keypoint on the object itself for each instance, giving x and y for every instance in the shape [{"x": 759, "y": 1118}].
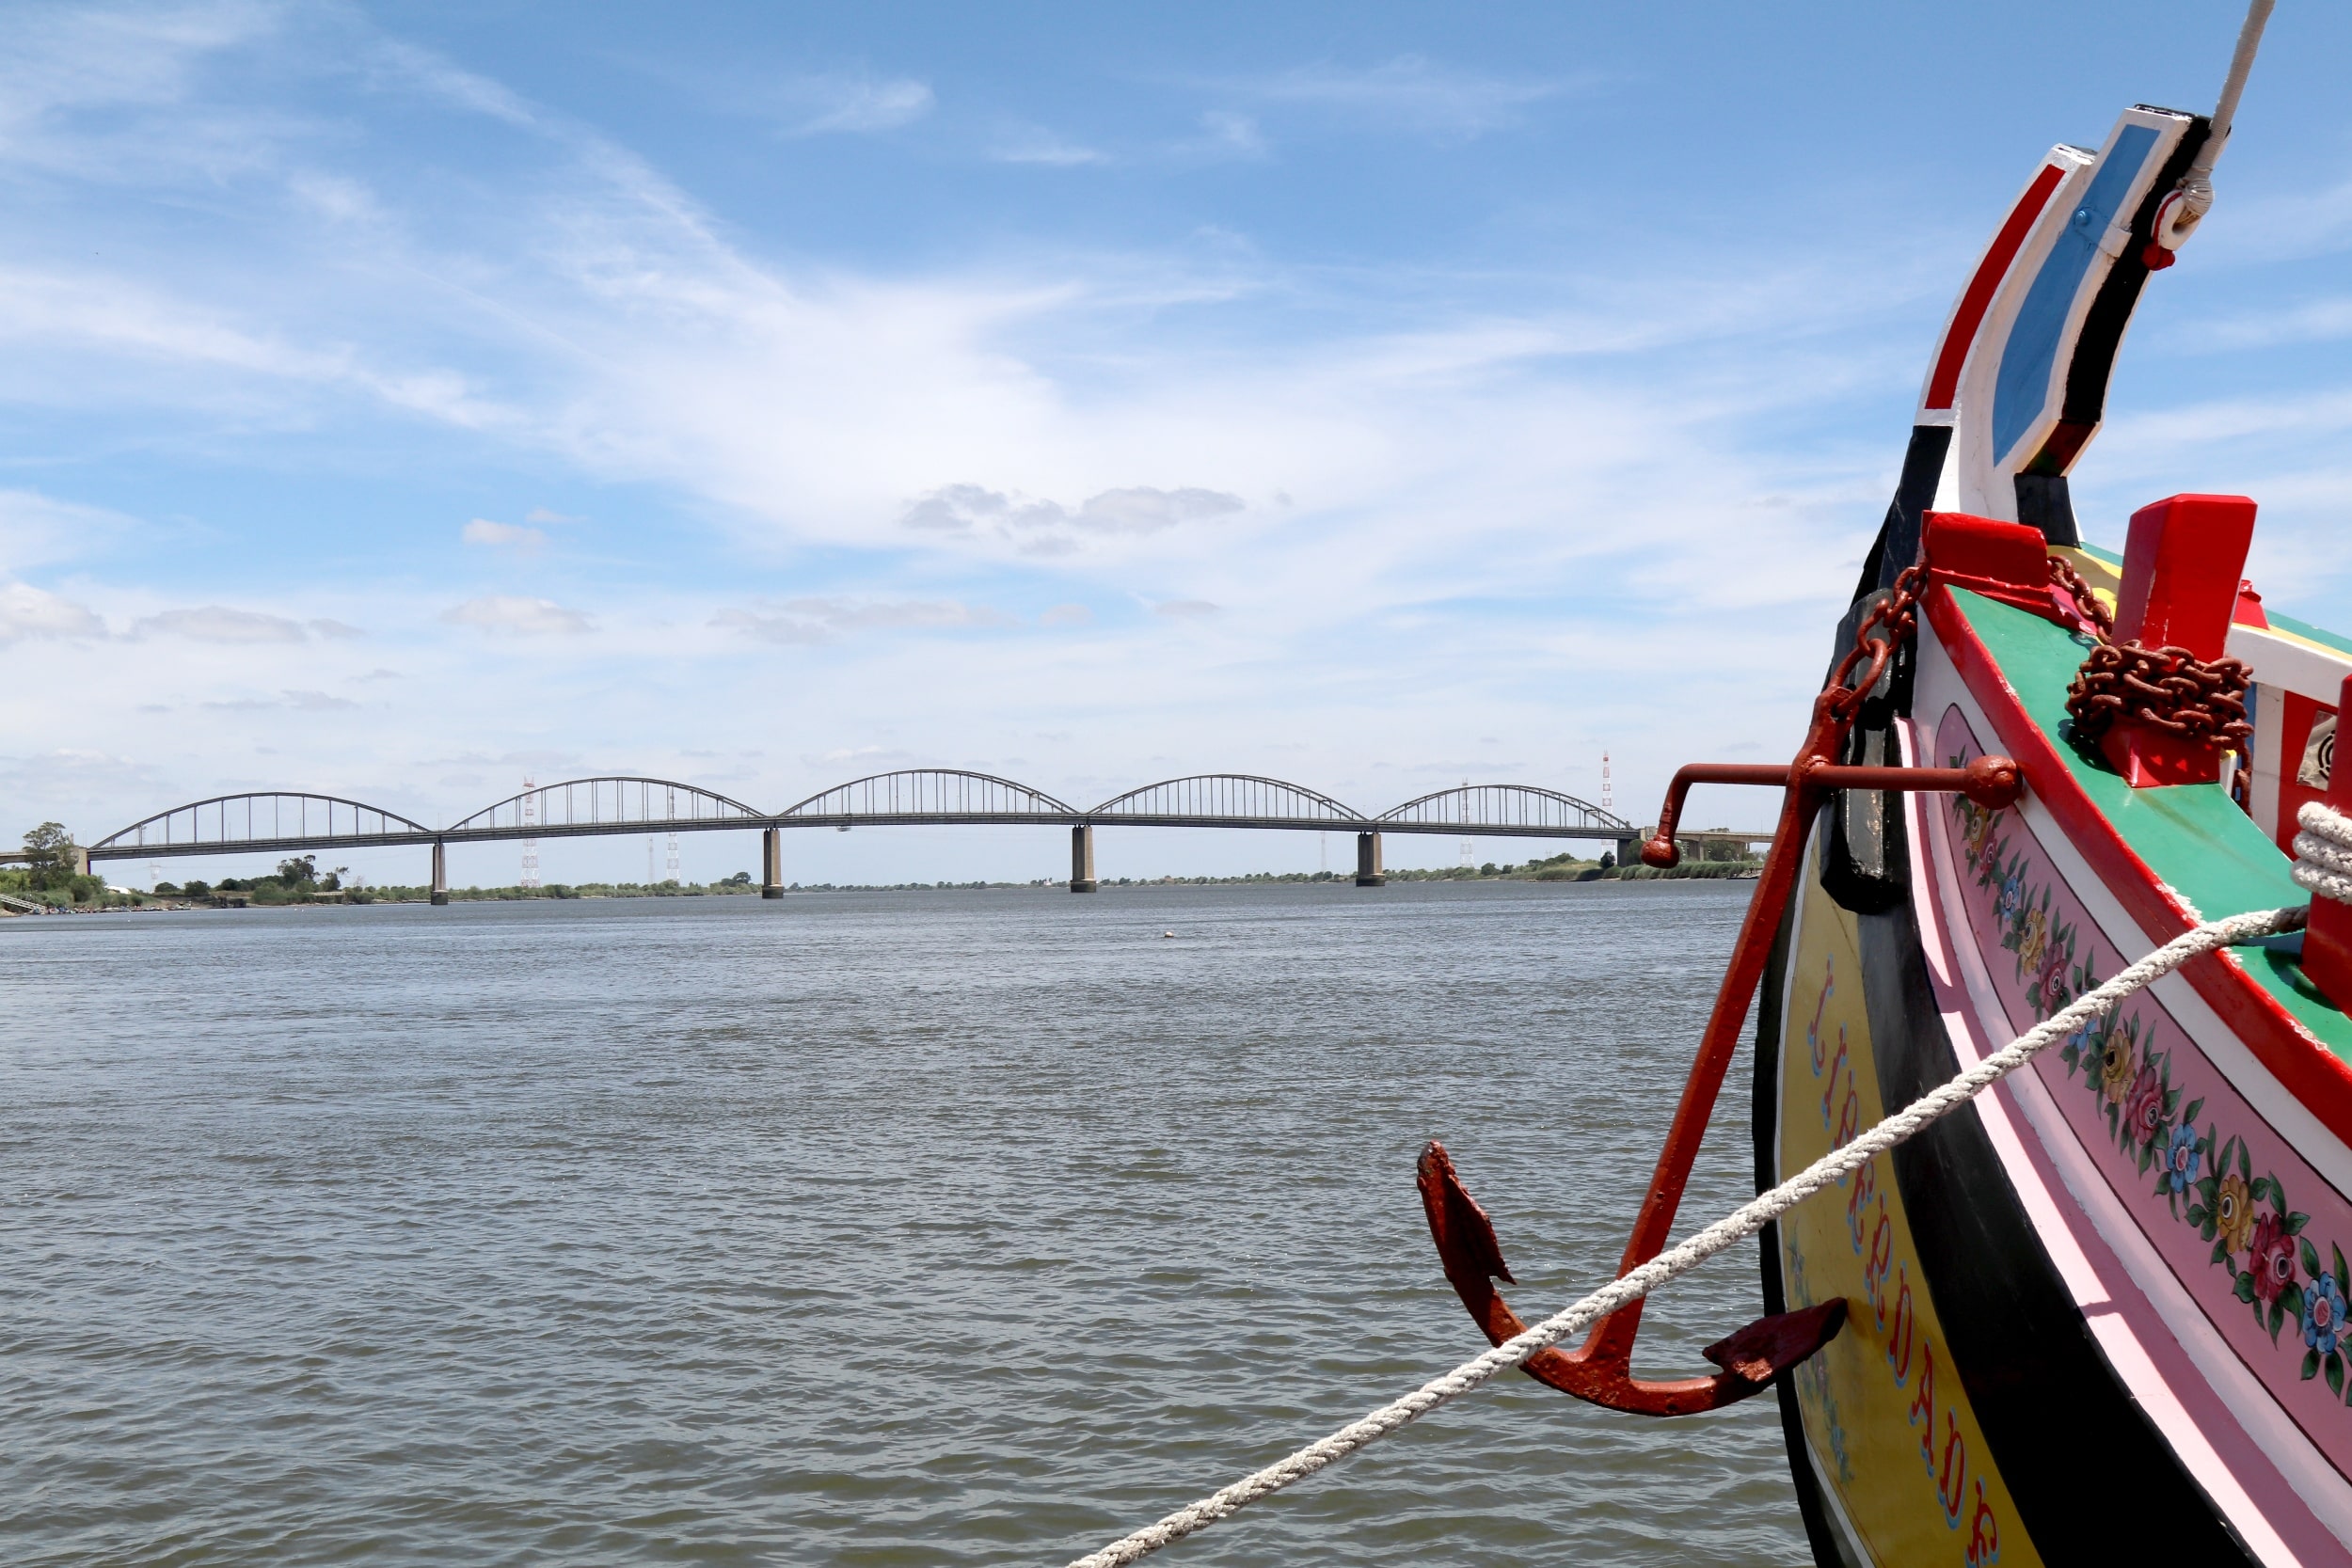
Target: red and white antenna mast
[
  {"x": 1606, "y": 803},
  {"x": 530, "y": 819}
]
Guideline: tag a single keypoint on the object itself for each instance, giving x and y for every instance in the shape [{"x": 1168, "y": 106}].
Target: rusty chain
[
  {"x": 1898, "y": 616},
  {"x": 2167, "y": 689}
]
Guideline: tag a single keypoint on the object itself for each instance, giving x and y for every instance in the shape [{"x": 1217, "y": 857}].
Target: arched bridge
[{"x": 279, "y": 822}]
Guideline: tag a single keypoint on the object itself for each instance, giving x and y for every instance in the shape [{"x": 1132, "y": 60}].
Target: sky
[{"x": 397, "y": 401}]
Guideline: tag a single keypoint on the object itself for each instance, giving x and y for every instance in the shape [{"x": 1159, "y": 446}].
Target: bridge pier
[
  {"x": 1368, "y": 872},
  {"x": 440, "y": 872},
  {"x": 1082, "y": 858},
  {"x": 772, "y": 862},
  {"x": 1629, "y": 851}
]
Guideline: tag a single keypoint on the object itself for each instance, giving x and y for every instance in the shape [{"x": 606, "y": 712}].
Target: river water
[{"x": 895, "y": 1228}]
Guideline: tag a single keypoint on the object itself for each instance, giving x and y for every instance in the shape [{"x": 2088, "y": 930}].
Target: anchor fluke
[{"x": 1601, "y": 1371}]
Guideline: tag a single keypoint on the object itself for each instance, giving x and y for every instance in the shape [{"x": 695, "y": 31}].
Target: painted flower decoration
[
  {"x": 2115, "y": 1068},
  {"x": 2323, "y": 1314},
  {"x": 2143, "y": 1112},
  {"x": 2035, "y": 940},
  {"x": 2273, "y": 1264},
  {"x": 2013, "y": 895},
  {"x": 2233, "y": 1214},
  {"x": 2181, "y": 1157},
  {"x": 2050, "y": 988}
]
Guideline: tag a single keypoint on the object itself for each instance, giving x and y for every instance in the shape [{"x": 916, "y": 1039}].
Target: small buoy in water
[{"x": 1167, "y": 933}]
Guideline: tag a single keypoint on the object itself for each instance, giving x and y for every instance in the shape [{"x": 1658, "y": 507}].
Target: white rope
[
  {"x": 2323, "y": 851},
  {"x": 2196, "y": 186},
  {"x": 1678, "y": 1260}
]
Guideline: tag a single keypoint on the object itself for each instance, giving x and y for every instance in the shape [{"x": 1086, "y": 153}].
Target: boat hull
[{"x": 2056, "y": 1350}]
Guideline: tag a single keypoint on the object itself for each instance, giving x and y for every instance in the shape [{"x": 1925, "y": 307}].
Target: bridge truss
[{"x": 275, "y": 821}]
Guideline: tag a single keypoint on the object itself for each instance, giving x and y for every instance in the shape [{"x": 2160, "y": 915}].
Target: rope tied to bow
[
  {"x": 1734, "y": 1228},
  {"x": 2323, "y": 851}
]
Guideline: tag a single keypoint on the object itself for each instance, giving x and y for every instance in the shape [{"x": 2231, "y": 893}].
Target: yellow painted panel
[{"x": 1890, "y": 1427}]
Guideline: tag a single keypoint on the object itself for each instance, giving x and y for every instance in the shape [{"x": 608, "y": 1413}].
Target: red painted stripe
[
  {"x": 2317, "y": 1077},
  {"x": 1977, "y": 297}
]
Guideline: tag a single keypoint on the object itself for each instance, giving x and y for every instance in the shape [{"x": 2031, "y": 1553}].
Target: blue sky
[{"x": 398, "y": 400}]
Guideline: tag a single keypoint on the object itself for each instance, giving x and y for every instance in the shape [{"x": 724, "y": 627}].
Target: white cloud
[
  {"x": 215, "y": 623},
  {"x": 860, "y": 104},
  {"x": 1185, "y": 609},
  {"x": 29, "y": 612},
  {"x": 522, "y": 617},
  {"x": 815, "y": 619},
  {"x": 484, "y": 532},
  {"x": 301, "y": 701},
  {"x": 1066, "y": 615},
  {"x": 1044, "y": 526}
]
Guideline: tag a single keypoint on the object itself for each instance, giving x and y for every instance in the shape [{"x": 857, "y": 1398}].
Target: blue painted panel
[{"x": 2022, "y": 388}]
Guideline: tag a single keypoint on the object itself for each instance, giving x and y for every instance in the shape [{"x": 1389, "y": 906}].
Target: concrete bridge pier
[
  {"x": 1082, "y": 858},
  {"x": 440, "y": 872},
  {"x": 1629, "y": 851},
  {"x": 1368, "y": 872},
  {"x": 771, "y": 863}
]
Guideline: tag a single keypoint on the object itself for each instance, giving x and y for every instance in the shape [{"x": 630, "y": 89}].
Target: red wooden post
[
  {"x": 2180, "y": 588},
  {"x": 2328, "y": 940}
]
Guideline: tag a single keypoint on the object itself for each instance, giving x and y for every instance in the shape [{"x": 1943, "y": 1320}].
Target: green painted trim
[
  {"x": 2113, "y": 557},
  {"x": 2304, "y": 629},
  {"x": 2192, "y": 836}
]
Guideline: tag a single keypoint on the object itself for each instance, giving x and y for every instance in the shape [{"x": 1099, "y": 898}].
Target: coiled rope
[
  {"x": 2323, "y": 851},
  {"x": 2333, "y": 836}
]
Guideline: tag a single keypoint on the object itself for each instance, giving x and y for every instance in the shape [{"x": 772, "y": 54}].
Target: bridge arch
[
  {"x": 1520, "y": 808},
  {"x": 1243, "y": 799},
  {"x": 929, "y": 795},
  {"x": 600, "y": 804},
  {"x": 260, "y": 821}
]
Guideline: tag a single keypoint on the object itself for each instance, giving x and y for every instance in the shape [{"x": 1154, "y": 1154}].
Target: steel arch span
[
  {"x": 608, "y": 803},
  {"x": 928, "y": 795},
  {"x": 1229, "y": 799},
  {"x": 1519, "y": 810},
  {"x": 260, "y": 821}
]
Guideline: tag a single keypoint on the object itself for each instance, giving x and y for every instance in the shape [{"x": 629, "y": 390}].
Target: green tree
[
  {"x": 52, "y": 857},
  {"x": 297, "y": 870}
]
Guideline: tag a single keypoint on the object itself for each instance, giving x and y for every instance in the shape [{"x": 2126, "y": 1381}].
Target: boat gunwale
[{"x": 2307, "y": 1066}]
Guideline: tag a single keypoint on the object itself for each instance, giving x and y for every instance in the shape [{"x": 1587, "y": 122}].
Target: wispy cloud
[
  {"x": 482, "y": 531},
  {"x": 520, "y": 617},
  {"x": 857, "y": 103},
  {"x": 29, "y": 612},
  {"x": 1045, "y": 527},
  {"x": 1409, "y": 92},
  {"x": 1185, "y": 609},
  {"x": 300, "y": 702},
  {"x": 813, "y": 620},
  {"x": 1033, "y": 144},
  {"x": 215, "y": 623}
]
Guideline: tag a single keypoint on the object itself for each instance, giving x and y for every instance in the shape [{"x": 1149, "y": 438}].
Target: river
[{"x": 956, "y": 1227}]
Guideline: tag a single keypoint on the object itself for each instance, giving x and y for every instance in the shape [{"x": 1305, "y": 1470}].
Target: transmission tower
[
  {"x": 1606, "y": 803},
  {"x": 531, "y": 819},
  {"x": 649, "y": 876},
  {"x": 673, "y": 813}
]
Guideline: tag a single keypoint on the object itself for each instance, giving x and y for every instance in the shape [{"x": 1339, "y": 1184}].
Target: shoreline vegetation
[{"x": 52, "y": 885}]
